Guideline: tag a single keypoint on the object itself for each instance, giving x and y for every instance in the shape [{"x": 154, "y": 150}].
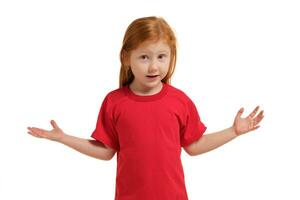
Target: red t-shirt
[{"x": 148, "y": 132}]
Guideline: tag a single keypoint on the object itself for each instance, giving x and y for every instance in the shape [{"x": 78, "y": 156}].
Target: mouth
[{"x": 153, "y": 76}]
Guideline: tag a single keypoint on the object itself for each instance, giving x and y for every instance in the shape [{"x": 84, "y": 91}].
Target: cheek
[
  {"x": 137, "y": 68},
  {"x": 166, "y": 67},
  {"x": 166, "y": 71}
]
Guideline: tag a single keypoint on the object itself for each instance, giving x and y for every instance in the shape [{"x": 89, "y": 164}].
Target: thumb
[
  {"x": 240, "y": 112},
  {"x": 54, "y": 125}
]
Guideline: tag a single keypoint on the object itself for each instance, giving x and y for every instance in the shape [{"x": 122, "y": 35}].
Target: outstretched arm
[
  {"x": 240, "y": 126},
  {"x": 91, "y": 148}
]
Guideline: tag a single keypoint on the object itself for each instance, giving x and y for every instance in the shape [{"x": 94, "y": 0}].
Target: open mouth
[{"x": 152, "y": 76}]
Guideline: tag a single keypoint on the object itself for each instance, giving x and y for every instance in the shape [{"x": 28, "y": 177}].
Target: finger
[
  {"x": 253, "y": 113},
  {"x": 54, "y": 125},
  {"x": 258, "y": 118},
  {"x": 37, "y": 131},
  {"x": 254, "y": 128},
  {"x": 33, "y": 134}
]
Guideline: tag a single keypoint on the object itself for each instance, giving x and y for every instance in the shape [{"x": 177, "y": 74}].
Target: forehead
[{"x": 153, "y": 47}]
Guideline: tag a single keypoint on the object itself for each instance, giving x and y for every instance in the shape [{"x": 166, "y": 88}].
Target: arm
[
  {"x": 91, "y": 148},
  {"x": 212, "y": 141}
]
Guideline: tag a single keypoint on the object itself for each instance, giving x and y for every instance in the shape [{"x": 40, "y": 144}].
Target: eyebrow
[{"x": 145, "y": 51}]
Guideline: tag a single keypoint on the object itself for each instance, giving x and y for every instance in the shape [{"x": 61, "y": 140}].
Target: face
[{"x": 149, "y": 64}]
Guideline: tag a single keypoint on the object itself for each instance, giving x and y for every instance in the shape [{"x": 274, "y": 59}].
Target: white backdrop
[{"x": 58, "y": 59}]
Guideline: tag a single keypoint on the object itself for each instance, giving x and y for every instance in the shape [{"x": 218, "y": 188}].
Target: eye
[
  {"x": 144, "y": 57},
  {"x": 161, "y": 56}
]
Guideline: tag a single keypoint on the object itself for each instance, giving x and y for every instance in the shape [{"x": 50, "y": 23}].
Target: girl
[{"x": 147, "y": 121}]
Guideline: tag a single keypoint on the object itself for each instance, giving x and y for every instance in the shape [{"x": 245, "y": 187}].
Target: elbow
[
  {"x": 104, "y": 158},
  {"x": 196, "y": 148},
  {"x": 108, "y": 155},
  {"x": 192, "y": 153},
  {"x": 189, "y": 150}
]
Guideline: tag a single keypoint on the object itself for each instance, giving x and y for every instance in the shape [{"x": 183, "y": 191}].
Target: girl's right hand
[{"x": 55, "y": 134}]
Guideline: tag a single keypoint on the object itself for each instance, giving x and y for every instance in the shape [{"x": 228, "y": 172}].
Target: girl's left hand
[{"x": 250, "y": 123}]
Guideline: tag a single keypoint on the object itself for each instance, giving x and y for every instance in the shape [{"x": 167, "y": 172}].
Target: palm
[
  {"x": 55, "y": 134},
  {"x": 250, "y": 123}
]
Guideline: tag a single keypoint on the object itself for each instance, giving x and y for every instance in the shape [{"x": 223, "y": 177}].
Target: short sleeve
[
  {"x": 193, "y": 128},
  {"x": 105, "y": 131}
]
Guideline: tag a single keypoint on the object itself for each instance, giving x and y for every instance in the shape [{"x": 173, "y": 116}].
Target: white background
[{"x": 58, "y": 59}]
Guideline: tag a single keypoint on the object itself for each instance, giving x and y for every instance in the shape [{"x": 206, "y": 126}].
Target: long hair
[{"x": 142, "y": 30}]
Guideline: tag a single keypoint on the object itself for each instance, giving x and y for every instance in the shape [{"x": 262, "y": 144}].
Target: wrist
[
  {"x": 233, "y": 131},
  {"x": 61, "y": 138}
]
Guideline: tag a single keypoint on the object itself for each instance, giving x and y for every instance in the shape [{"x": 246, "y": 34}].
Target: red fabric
[{"x": 148, "y": 132}]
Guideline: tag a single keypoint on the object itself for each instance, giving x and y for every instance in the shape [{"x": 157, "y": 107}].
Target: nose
[{"x": 153, "y": 67}]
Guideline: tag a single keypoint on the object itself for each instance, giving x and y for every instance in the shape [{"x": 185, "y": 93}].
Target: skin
[
  {"x": 152, "y": 59},
  {"x": 214, "y": 140},
  {"x": 149, "y": 59}
]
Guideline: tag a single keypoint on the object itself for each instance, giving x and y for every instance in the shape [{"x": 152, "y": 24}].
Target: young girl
[{"x": 147, "y": 121}]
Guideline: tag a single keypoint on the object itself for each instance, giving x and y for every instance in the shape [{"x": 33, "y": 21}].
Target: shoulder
[
  {"x": 115, "y": 96},
  {"x": 179, "y": 94},
  {"x": 182, "y": 99}
]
